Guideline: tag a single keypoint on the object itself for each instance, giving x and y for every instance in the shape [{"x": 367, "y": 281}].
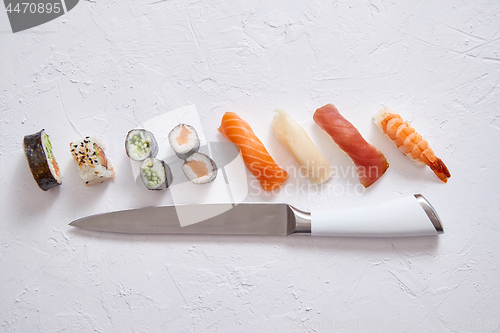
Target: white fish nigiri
[{"x": 312, "y": 164}]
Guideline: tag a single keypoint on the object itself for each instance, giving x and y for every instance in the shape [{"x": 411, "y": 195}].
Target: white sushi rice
[
  {"x": 377, "y": 117},
  {"x": 193, "y": 176},
  {"x": 95, "y": 175},
  {"x": 192, "y": 139},
  {"x": 47, "y": 150}
]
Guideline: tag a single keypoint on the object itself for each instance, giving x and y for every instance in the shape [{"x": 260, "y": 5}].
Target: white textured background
[{"x": 107, "y": 66}]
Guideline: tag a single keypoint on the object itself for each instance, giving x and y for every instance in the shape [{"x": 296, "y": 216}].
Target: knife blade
[{"x": 406, "y": 216}]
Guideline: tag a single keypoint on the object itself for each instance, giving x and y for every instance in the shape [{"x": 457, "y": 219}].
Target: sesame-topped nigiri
[{"x": 93, "y": 166}]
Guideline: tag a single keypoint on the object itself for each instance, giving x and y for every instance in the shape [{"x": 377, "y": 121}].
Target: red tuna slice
[{"x": 370, "y": 162}]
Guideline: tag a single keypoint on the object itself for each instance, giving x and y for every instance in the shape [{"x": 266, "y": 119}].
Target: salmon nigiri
[
  {"x": 370, "y": 162},
  {"x": 254, "y": 154},
  {"x": 409, "y": 141}
]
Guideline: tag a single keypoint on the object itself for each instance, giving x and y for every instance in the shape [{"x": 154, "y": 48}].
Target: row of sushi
[
  {"x": 370, "y": 163},
  {"x": 93, "y": 166},
  {"x": 199, "y": 168},
  {"x": 140, "y": 145}
]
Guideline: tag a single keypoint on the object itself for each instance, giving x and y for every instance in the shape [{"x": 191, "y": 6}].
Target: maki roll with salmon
[
  {"x": 93, "y": 166},
  {"x": 199, "y": 169},
  {"x": 140, "y": 144},
  {"x": 184, "y": 140},
  {"x": 41, "y": 160},
  {"x": 155, "y": 174}
]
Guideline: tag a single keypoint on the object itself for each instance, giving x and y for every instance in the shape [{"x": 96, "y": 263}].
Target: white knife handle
[{"x": 407, "y": 216}]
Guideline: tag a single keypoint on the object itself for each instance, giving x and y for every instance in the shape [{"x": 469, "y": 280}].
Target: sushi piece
[
  {"x": 370, "y": 162},
  {"x": 155, "y": 174},
  {"x": 41, "y": 160},
  {"x": 140, "y": 144},
  {"x": 254, "y": 154},
  {"x": 311, "y": 163},
  {"x": 184, "y": 140},
  {"x": 199, "y": 169},
  {"x": 410, "y": 142},
  {"x": 93, "y": 166}
]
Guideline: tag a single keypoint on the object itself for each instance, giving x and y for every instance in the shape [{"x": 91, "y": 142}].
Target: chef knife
[{"x": 406, "y": 216}]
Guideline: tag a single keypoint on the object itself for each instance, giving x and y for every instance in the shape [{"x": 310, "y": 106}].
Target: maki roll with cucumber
[
  {"x": 155, "y": 174},
  {"x": 199, "y": 169},
  {"x": 140, "y": 144},
  {"x": 41, "y": 160},
  {"x": 184, "y": 140},
  {"x": 93, "y": 165}
]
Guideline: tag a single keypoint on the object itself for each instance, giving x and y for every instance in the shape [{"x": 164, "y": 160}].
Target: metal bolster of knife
[
  {"x": 431, "y": 212},
  {"x": 299, "y": 221}
]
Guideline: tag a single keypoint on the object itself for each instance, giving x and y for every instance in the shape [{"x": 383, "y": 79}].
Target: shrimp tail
[{"x": 440, "y": 170}]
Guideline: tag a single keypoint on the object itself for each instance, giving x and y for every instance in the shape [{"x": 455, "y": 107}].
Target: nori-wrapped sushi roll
[
  {"x": 184, "y": 140},
  {"x": 199, "y": 169},
  {"x": 140, "y": 144},
  {"x": 155, "y": 174},
  {"x": 41, "y": 160}
]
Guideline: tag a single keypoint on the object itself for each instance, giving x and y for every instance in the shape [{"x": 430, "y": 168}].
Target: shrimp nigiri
[
  {"x": 254, "y": 154},
  {"x": 409, "y": 141}
]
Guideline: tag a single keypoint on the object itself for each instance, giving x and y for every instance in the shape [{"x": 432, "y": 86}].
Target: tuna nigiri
[
  {"x": 253, "y": 152},
  {"x": 370, "y": 162},
  {"x": 409, "y": 141},
  {"x": 312, "y": 164}
]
